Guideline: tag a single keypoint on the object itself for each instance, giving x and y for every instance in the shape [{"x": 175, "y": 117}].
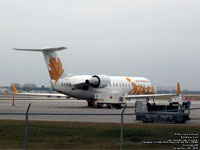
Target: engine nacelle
[{"x": 98, "y": 81}]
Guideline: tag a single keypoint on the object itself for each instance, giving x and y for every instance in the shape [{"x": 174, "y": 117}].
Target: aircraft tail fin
[
  {"x": 179, "y": 93},
  {"x": 14, "y": 88},
  {"x": 178, "y": 89},
  {"x": 53, "y": 62}
]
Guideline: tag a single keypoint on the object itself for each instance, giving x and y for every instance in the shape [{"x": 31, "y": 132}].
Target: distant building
[
  {"x": 29, "y": 87},
  {"x": 41, "y": 89},
  {"x": 4, "y": 89},
  {"x": 169, "y": 90}
]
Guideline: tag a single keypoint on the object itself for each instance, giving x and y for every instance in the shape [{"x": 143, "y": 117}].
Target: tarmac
[{"x": 51, "y": 109}]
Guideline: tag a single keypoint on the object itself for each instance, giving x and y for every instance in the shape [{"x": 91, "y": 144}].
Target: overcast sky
[{"x": 157, "y": 39}]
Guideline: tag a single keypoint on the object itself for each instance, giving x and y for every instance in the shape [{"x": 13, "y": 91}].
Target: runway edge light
[{"x": 13, "y": 104}]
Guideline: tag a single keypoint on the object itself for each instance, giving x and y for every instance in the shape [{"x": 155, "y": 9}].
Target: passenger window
[
  {"x": 119, "y": 85},
  {"x": 113, "y": 84},
  {"x": 116, "y": 84}
]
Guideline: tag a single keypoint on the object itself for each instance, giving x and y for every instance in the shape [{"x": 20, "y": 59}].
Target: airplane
[{"x": 98, "y": 90}]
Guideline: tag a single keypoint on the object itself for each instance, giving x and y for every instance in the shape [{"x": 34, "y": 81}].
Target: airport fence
[
  {"x": 28, "y": 119},
  {"x": 28, "y": 128}
]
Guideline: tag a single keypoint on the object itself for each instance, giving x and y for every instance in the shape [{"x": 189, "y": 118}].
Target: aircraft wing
[
  {"x": 37, "y": 94},
  {"x": 42, "y": 94},
  {"x": 149, "y": 96},
  {"x": 156, "y": 95}
]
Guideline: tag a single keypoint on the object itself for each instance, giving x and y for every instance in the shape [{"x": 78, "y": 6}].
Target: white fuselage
[
  {"x": 88, "y": 87},
  {"x": 121, "y": 85}
]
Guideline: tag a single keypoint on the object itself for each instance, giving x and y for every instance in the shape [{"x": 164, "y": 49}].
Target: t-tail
[{"x": 53, "y": 62}]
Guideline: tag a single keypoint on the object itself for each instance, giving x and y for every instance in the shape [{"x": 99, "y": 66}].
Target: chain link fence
[
  {"x": 47, "y": 125},
  {"x": 30, "y": 117}
]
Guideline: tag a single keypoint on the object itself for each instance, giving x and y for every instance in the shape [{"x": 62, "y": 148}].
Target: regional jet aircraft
[{"x": 96, "y": 89}]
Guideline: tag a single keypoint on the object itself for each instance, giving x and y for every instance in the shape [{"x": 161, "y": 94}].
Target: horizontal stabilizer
[{"x": 42, "y": 49}]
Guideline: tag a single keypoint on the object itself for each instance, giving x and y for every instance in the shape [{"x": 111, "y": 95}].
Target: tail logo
[{"x": 56, "y": 68}]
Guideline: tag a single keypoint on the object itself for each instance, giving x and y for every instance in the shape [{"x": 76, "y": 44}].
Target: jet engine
[{"x": 98, "y": 81}]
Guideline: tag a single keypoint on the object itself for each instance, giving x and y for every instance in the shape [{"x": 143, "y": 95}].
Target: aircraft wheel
[
  {"x": 100, "y": 106},
  {"x": 181, "y": 121},
  {"x": 109, "y": 106},
  {"x": 145, "y": 121},
  {"x": 118, "y": 106},
  {"x": 151, "y": 121},
  {"x": 90, "y": 104}
]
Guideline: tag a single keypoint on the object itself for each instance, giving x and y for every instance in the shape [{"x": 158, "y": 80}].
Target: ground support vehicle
[{"x": 174, "y": 111}]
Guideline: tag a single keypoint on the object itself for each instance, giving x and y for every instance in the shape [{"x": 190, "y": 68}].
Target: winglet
[
  {"x": 14, "y": 88},
  {"x": 178, "y": 89}
]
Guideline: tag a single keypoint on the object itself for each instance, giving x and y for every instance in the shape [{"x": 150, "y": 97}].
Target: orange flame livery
[{"x": 139, "y": 89}]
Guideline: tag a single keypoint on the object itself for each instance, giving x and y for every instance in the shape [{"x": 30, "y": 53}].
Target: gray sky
[{"x": 157, "y": 39}]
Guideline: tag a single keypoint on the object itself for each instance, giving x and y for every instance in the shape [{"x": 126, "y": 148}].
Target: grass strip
[{"x": 74, "y": 135}]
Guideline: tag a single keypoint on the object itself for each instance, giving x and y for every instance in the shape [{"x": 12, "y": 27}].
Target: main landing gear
[
  {"x": 117, "y": 106},
  {"x": 95, "y": 104}
]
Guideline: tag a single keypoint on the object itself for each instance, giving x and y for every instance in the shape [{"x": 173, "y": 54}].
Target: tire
[
  {"x": 100, "y": 106},
  {"x": 90, "y": 104},
  {"x": 118, "y": 106},
  {"x": 109, "y": 106},
  {"x": 145, "y": 121}
]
